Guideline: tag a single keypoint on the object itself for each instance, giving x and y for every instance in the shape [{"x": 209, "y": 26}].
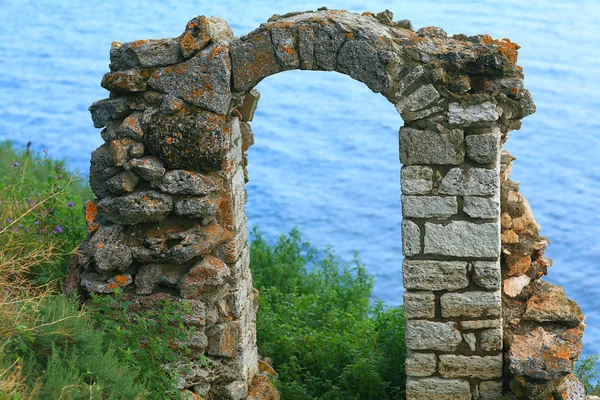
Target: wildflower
[
  {"x": 8, "y": 219},
  {"x": 16, "y": 229},
  {"x": 57, "y": 229},
  {"x": 15, "y": 164},
  {"x": 70, "y": 204},
  {"x": 45, "y": 151},
  {"x": 42, "y": 230},
  {"x": 57, "y": 177},
  {"x": 27, "y": 230},
  {"x": 37, "y": 222}
]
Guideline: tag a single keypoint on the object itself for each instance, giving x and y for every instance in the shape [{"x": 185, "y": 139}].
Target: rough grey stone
[
  {"x": 432, "y": 31},
  {"x": 185, "y": 182},
  {"x": 429, "y": 335},
  {"x": 107, "y": 249},
  {"x": 204, "y": 80},
  {"x": 171, "y": 104},
  {"x": 470, "y": 340},
  {"x": 411, "y": 238},
  {"x": 437, "y": 389},
  {"x": 420, "y": 364},
  {"x": 106, "y": 109},
  {"x": 419, "y": 305},
  {"x": 136, "y": 150},
  {"x": 151, "y": 275},
  {"x": 136, "y": 208},
  {"x": 205, "y": 279},
  {"x": 252, "y": 60},
  {"x": 471, "y": 305},
  {"x": 200, "y": 31},
  {"x": 97, "y": 283},
  {"x": 484, "y": 148},
  {"x": 491, "y": 340},
  {"x": 429, "y": 206},
  {"x": 197, "y": 207},
  {"x": 486, "y": 274},
  {"x": 101, "y": 164},
  {"x": 482, "y": 207},
  {"x": 132, "y": 126},
  {"x": 410, "y": 78},
  {"x": 418, "y": 100},
  {"x": 360, "y": 60},
  {"x": 122, "y": 183},
  {"x": 149, "y": 168},
  {"x": 249, "y": 105},
  {"x": 490, "y": 390},
  {"x": 480, "y": 324},
  {"x": 486, "y": 367},
  {"x": 473, "y": 181},
  {"x": 470, "y": 114},
  {"x": 149, "y": 53},
  {"x": 463, "y": 239},
  {"x": 133, "y": 80},
  {"x": 328, "y": 41},
  {"x": 119, "y": 148},
  {"x": 429, "y": 147},
  {"x": 416, "y": 179},
  {"x": 434, "y": 275},
  {"x": 284, "y": 45},
  {"x": 409, "y": 116}
]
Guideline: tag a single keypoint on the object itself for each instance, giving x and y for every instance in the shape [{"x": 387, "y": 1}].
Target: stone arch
[{"x": 169, "y": 215}]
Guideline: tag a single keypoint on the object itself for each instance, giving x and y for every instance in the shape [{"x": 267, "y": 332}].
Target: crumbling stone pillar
[{"x": 169, "y": 216}]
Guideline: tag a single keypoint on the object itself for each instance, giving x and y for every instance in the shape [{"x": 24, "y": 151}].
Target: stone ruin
[{"x": 169, "y": 221}]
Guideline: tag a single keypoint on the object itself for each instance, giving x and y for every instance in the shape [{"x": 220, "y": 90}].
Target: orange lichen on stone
[
  {"x": 121, "y": 280},
  {"x": 91, "y": 215},
  {"x": 507, "y": 48}
]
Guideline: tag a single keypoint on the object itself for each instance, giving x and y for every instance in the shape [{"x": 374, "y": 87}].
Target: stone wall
[{"x": 169, "y": 220}]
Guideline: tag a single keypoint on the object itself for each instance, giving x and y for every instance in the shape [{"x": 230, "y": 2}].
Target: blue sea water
[{"x": 326, "y": 152}]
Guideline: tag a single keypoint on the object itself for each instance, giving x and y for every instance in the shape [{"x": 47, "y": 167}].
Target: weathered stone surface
[
  {"x": 200, "y": 31},
  {"x": 549, "y": 304},
  {"x": 119, "y": 150},
  {"x": 249, "y": 105},
  {"x": 481, "y": 324},
  {"x": 463, "y": 239},
  {"x": 100, "y": 164},
  {"x": 490, "y": 390},
  {"x": 484, "y": 148},
  {"x": 419, "y": 305},
  {"x": 471, "y": 114},
  {"x": 486, "y": 367},
  {"x": 429, "y": 147},
  {"x": 132, "y": 126},
  {"x": 408, "y": 80},
  {"x": 262, "y": 389},
  {"x": 482, "y": 207},
  {"x": 185, "y": 182},
  {"x": 359, "y": 60},
  {"x": 133, "y": 80},
  {"x": 420, "y": 364},
  {"x": 136, "y": 150},
  {"x": 149, "y": 168},
  {"x": 151, "y": 275},
  {"x": 285, "y": 45},
  {"x": 434, "y": 275},
  {"x": 171, "y": 104},
  {"x": 107, "y": 250},
  {"x": 180, "y": 247},
  {"x": 416, "y": 179},
  {"x": 203, "y": 277},
  {"x": 203, "y": 80},
  {"x": 418, "y": 100},
  {"x": 222, "y": 339},
  {"x": 191, "y": 140},
  {"x": 570, "y": 388},
  {"x": 328, "y": 40},
  {"x": 96, "y": 283},
  {"x": 252, "y": 60},
  {"x": 204, "y": 208},
  {"x": 106, "y": 109},
  {"x": 471, "y": 305},
  {"x": 122, "y": 183},
  {"x": 491, "y": 340},
  {"x": 411, "y": 238},
  {"x": 486, "y": 274},
  {"x": 147, "y": 53},
  {"x": 514, "y": 286},
  {"x": 429, "y": 206},
  {"x": 542, "y": 354},
  {"x": 429, "y": 335},
  {"x": 437, "y": 389},
  {"x": 136, "y": 208},
  {"x": 473, "y": 181}
]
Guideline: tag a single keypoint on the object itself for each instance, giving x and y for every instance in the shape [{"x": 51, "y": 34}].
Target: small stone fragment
[
  {"x": 411, "y": 238},
  {"x": 514, "y": 286},
  {"x": 429, "y": 335},
  {"x": 125, "y": 182},
  {"x": 106, "y": 109},
  {"x": 473, "y": 181},
  {"x": 482, "y": 207},
  {"x": 420, "y": 364},
  {"x": 416, "y": 179},
  {"x": 419, "y": 305},
  {"x": 119, "y": 150},
  {"x": 203, "y": 276},
  {"x": 185, "y": 182},
  {"x": 484, "y": 148},
  {"x": 136, "y": 208},
  {"x": 470, "y": 340},
  {"x": 149, "y": 168}
]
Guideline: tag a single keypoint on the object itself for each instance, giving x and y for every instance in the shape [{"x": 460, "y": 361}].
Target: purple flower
[
  {"x": 8, "y": 219},
  {"x": 15, "y": 164},
  {"x": 45, "y": 151},
  {"x": 27, "y": 230},
  {"x": 16, "y": 229},
  {"x": 70, "y": 204},
  {"x": 57, "y": 229},
  {"x": 42, "y": 230},
  {"x": 57, "y": 177},
  {"x": 37, "y": 222}
]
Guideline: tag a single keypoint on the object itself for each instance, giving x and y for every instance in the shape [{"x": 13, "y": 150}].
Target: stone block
[
  {"x": 408, "y": 80},
  {"x": 437, "y": 389},
  {"x": 486, "y": 367},
  {"x": 467, "y": 115},
  {"x": 202, "y": 279},
  {"x": 463, "y": 239},
  {"x": 133, "y": 80},
  {"x": 186, "y": 182},
  {"x": 411, "y": 238},
  {"x": 429, "y": 335},
  {"x": 204, "y": 80},
  {"x": 486, "y": 274},
  {"x": 490, "y": 390},
  {"x": 285, "y": 43},
  {"x": 484, "y": 148},
  {"x": 136, "y": 208},
  {"x": 482, "y": 207},
  {"x": 252, "y": 60},
  {"x": 418, "y": 100},
  {"x": 429, "y": 206},
  {"x": 149, "y": 168},
  {"x": 122, "y": 183},
  {"x": 481, "y": 324},
  {"x": 103, "y": 110},
  {"x": 223, "y": 339},
  {"x": 434, "y": 275},
  {"x": 471, "y": 305},
  {"x": 416, "y": 179},
  {"x": 204, "y": 208},
  {"x": 419, "y": 305},
  {"x": 200, "y": 31},
  {"x": 420, "y": 364},
  {"x": 473, "y": 181},
  {"x": 147, "y": 53},
  {"x": 491, "y": 340},
  {"x": 429, "y": 147},
  {"x": 360, "y": 60},
  {"x": 249, "y": 105},
  {"x": 515, "y": 285}
]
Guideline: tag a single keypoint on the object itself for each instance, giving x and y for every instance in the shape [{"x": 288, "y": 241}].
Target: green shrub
[
  {"x": 586, "y": 372},
  {"x": 316, "y": 323}
]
